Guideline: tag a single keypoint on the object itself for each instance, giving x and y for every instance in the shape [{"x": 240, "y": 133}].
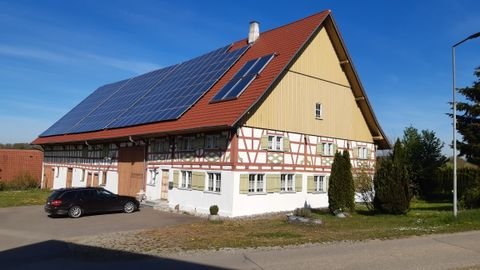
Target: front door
[
  {"x": 164, "y": 191},
  {"x": 131, "y": 170},
  {"x": 48, "y": 177},
  {"x": 69, "y": 177}
]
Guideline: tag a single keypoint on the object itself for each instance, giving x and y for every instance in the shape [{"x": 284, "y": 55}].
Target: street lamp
[{"x": 455, "y": 210}]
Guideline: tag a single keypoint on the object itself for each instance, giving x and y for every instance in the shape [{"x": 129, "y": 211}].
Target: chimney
[{"x": 254, "y": 32}]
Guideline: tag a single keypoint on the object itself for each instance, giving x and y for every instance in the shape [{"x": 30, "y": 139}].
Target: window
[
  {"x": 212, "y": 141},
  {"x": 153, "y": 177},
  {"x": 57, "y": 172},
  {"x": 328, "y": 149},
  {"x": 104, "y": 179},
  {"x": 318, "y": 110},
  {"x": 319, "y": 181},
  {"x": 286, "y": 182},
  {"x": 362, "y": 153},
  {"x": 275, "y": 143},
  {"x": 186, "y": 179},
  {"x": 214, "y": 182},
  {"x": 186, "y": 144},
  {"x": 256, "y": 183},
  {"x": 82, "y": 176}
]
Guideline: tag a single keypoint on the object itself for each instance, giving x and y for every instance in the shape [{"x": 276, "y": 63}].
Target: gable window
[
  {"x": 256, "y": 183},
  {"x": 214, "y": 182},
  {"x": 186, "y": 144},
  {"x": 328, "y": 149},
  {"x": 275, "y": 143},
  {"x": 286, "y": 182},
  {"x": 318, "y": 111},
  {"x": 186, "y": 179},
  {"x": 212, "y": 141},
  {"x": 319, "y": 183},
  {"x": 362, "y": 153}
]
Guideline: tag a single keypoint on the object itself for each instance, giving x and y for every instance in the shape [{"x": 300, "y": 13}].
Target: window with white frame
[
  {"x": 286, "y": 182},
  {"x": 186, "y": 144},
  {"x": 328, "y": 149},
  {"x": 186, "y": 179},
  {"x": 153, "y": 177},
  {"x": 275, "y": 143},
  {"x": 318, "y": 110},
  {"x": 211, "y": 141},
  {"x": 214, "y": 182},
  {"x": 362, "y": 152},
  {"x": 256, "y": 183},
  {"x": 319, "y": 182}
]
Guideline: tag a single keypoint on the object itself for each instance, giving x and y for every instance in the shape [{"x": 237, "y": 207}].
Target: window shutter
[
  {"x": 176, "y": 175},
  {"x": 222, "y": 142},
  {"x": 264, "y": 142},
  {"x": 319, "y": 148},
  {"x": 335, "y": 148},
  {"x": 243, "y": 183},
  {"x": 298, "y": 182},
  {"x": 310, "y": 184},
  {"x": 286, "y": 144},
  {"x": 198, "y": 180},
  {"x": 273, "y": 183}
]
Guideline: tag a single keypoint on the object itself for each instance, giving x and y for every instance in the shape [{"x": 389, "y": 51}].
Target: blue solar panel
[
  {"x": 242, "y": 79},
  {"x": 83, "y": 109},
  {"x": 164, "y": 94}
]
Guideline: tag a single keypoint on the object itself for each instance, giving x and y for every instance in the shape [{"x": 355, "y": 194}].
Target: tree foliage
[
  {"x": 392, "y": 189},
  {"x": 468, "y": 121},
  {"x": 341, "y": 190},
  {"x": 364, "y": 187}
]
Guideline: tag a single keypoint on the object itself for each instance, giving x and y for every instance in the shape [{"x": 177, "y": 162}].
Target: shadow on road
[{"x": 54, "y": 254}]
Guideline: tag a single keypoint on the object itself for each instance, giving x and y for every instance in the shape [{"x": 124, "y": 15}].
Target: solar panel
[
  {"x": 242, "y": 79},
  {"x": 83, "y": 109},
  {"x": 160, "y": 95}
]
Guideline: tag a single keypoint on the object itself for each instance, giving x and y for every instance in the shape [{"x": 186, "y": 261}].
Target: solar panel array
[
  {"x": 242, "y": 79},
  {"x": 160, "y": 95}
]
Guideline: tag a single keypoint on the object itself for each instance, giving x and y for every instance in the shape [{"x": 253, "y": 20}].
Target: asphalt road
[{"x": 20, "y": 226}]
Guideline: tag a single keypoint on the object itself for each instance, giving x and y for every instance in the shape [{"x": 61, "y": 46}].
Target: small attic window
[
  {"x": 318, "y": 111},
  {"x": 235, "y": 87}
]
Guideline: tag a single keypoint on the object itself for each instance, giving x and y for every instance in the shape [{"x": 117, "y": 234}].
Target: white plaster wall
[
  {"x": 112, "y": 181},
  {"x": 60, "y": 177},
  {"x": 152, "y": 192},
  {"x": 199, "y": 202},
  {"x": 252, "y": 204},
  {"x": 77, "y": 180}
]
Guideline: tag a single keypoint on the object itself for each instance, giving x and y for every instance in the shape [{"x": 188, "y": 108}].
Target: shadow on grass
[
  {"x": 432, "y": 207},
  {"x": 54, "y": 254}
]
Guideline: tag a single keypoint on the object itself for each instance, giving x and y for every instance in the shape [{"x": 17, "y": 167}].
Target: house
[
  {"x": 15, "y": 163},
  {"x": 251, "y": 127}
]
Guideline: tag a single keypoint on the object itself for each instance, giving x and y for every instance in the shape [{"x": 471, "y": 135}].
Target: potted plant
[{"x": 213, "y": 213}]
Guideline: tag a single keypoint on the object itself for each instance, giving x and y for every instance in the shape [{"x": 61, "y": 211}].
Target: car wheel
[
  {"x": 75, "y": 212},
  {"x": 129, "y": 207}
]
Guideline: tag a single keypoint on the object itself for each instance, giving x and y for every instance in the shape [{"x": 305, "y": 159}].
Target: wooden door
[
  {"x": 48, "y": 177},
  {"x": 164, "y": 188},
  {"x": 131, "y": 170},
  {"x": 69, "y": 177},
  {"x": 89, "y": 179},
  {"x": 95, "y": 180}
]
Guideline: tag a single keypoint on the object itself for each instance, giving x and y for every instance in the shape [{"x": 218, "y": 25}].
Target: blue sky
[{"x": 54, "y": 53}]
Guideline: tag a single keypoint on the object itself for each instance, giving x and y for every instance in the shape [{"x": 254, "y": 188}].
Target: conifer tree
[{"x": 341, "y": 191}]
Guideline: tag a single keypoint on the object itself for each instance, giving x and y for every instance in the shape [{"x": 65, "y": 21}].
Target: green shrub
[
  {"x": 21, "y": 182},
  {"x": 303, "y": 212},
  {"x": 214, "y": 210},
  {"x": 471, "y": 198}
]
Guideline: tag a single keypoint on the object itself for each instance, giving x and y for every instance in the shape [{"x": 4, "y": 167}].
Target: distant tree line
[{"x": 24, "y": 146}]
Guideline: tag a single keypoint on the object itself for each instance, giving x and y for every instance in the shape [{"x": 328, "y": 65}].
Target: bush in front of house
[
  {"x": 21, "y": 182},
  {"x": 341, "y": 190},
  {"x": 214, "y": 210},
  {"x": 392, "y": 189},
  {"x": 364, "y": 187}
]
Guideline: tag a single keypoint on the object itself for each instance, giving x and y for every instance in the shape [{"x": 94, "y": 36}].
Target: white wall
[
  {"x": 60, "y": 177},
  {"x": 112, "y": 181},
  {"x": 251, "y": 204},
  {"x": 199, "y": 202},
  {"x": 153, "y": 192},
  {"x": 78, "y": 178}
]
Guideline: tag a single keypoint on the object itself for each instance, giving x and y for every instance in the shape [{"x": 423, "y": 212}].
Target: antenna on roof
[{"x": 254, "y": 32}]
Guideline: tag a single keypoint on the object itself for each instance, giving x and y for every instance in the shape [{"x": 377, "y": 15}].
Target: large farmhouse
[{"x": 251, "y": 127}]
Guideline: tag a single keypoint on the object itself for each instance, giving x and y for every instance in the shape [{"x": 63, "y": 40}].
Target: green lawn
[
  {"x": 23, "y": 197},
  {"x": 424, "y": 218}
]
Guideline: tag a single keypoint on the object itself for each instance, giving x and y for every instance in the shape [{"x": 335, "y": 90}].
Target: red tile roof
[{"x": 286, "y": 41}]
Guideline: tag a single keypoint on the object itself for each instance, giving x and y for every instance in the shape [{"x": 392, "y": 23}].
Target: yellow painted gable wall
[{"x": 316, "y": 76}]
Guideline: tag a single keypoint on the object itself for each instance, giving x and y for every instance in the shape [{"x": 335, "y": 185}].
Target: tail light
[{"x": 56, "y": 203}]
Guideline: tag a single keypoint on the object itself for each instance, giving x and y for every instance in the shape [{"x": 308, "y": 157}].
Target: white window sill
[
  {"x": 319, "y": 118},
  {"x": 288, "y": 192},
  {"x": 318, "y": 192},
  {"x": 212, "y": 192},
  {"x": 186, "y": 189},
  {"x": 273, "y": 150},
  {"x": 256, "y": 193}
]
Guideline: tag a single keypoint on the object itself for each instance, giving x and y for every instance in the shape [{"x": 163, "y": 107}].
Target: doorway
[{"x": 131, "y": 170}]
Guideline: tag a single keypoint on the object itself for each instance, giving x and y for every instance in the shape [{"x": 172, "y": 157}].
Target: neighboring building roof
[{"x": 286, "y": 42}]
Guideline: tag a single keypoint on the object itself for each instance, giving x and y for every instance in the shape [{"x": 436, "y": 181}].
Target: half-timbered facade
[{"x": 269, "y": 148}]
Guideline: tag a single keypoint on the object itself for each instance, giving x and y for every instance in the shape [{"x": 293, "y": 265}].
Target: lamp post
[{"x": 454, "y": 90}]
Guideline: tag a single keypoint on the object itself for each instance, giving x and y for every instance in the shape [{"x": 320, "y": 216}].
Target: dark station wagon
[{"x": 75, "y": 202}]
